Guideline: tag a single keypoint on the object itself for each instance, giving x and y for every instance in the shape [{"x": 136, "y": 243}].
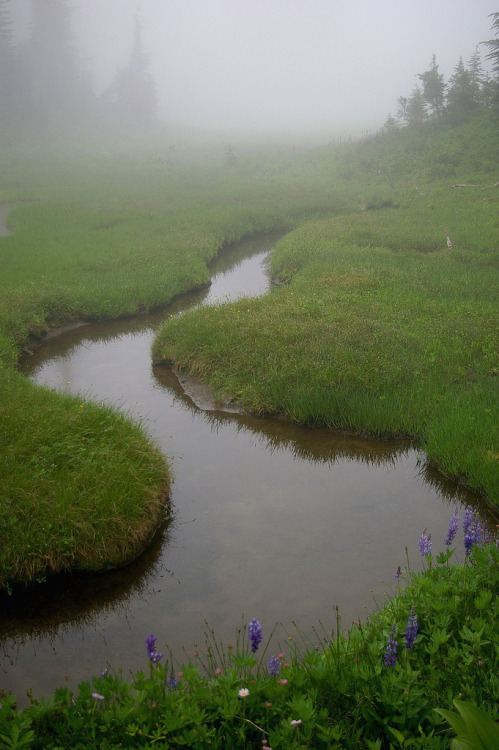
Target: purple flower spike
[
  {"x": 453, "y": 527},
  {"x": 425, "y": 543},
  {"x": 468, "y": 517},
  {"x": 474, "y": 535},
  {"x": 274, "y": 666},
  {"x": 150, "y": 644},
  {"x": 255, "y": 634},
  {"x": 391, "y": 657},
  {"x": 151, "y": 649},
  {"x": 172, "y": 682},
  {"x": 411, "y": 630}
]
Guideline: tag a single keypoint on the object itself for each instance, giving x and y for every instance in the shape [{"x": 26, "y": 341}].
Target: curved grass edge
[{"x": 385, "y": 338}]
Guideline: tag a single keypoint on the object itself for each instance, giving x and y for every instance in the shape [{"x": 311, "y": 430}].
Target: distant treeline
[
  {"x": 468, "y": 90},
  {"x": 43, "y": 80}
]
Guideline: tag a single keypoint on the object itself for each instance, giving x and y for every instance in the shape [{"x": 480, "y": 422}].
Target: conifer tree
[
  {"x": 56, "y": 88},
  {"x": 131, "y": 98},
  {"x": 461, "y": 96},
  {"x": 7, "y": 65},
  {"x": 493, "y": 56},
  {"x": 416, "y": 112},
  {"x": 433, "y": 87},
  {"x": 477, "y": 76}
]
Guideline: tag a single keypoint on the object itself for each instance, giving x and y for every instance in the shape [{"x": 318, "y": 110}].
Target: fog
[{"x": 276, "y": 65}]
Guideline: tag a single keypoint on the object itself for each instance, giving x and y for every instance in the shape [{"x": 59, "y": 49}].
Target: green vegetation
[
  {"x": 97, "y": 239},
  {"x": 381, "y": 328},
  {"x": 388, "y": 683}
]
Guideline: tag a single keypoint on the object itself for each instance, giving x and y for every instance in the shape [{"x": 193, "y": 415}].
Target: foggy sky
[{"x": 278, "y": 65}]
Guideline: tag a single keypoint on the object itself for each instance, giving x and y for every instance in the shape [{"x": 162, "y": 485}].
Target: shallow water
[{"x": 269, "y": 520}]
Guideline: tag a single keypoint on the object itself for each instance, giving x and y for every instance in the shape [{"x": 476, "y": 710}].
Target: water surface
[{"x": 269, "y": 520}]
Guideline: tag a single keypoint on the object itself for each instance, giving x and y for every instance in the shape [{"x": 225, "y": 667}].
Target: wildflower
[
  {"x": 218, "y": 671},
  {"x": 150, "y": 644},
  {"x": 104, "y": 673},
  {"x": 255, "y": 634},
  {"x": 172, "y": 682},
  {"x": 474, "y": 535},
  {"x": 274, "y": 666},
  {"x": 243, "y": 693},
  {"x": 425, "y": 543},
  {"x": 453, "y": 527},
  {"x": 468, "y": 517},
  {"x": 295, "y": 722},
  {"x": 411, "y": 630},
  {"x": 153, "y": 655},
  {"x": 398, "y": 572},
  {"x": 391, "y": 649},
  {"x": 282, "y": 681},
  {"x": 97, "y": 696}
]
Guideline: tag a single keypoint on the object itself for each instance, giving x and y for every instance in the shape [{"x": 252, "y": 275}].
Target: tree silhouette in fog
[
  {"x": 7, "y": 63},
  {"x": 57, "y": 89},
  {"x": 131, "y": 98}
]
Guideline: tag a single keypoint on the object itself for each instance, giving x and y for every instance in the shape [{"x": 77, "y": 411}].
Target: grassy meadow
[
  {"x": 379, "y": 326},
  {"x": 375, "y": 326}
]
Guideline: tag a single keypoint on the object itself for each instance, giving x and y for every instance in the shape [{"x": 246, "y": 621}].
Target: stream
[{"x": 269, "y": 520}]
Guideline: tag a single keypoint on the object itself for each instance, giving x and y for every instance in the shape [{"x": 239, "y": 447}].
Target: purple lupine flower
[
  {"x": 391, "y": 657},
  {"x": 150, "y": 644},
  {"x": 255, "y": 634},
  {"x": 474, "y": 535},
  {"x": 153, "y": 655},
  {"x": 411, "y": 630},
  {"x": 468, "y": 515},
  {"x": 398, "y": 572},
  {"x": 172, "y": 682},
  {"x": 453, "y": 527},
  {"x": 425, "y": 543},
  {"x": 274, "y": 666}
]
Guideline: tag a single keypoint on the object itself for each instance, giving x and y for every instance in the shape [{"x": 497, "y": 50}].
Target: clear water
[{"x": 269, "y": 520}]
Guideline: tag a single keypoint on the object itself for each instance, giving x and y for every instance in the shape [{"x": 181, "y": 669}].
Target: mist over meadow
[{"x": 324, "y": 69}]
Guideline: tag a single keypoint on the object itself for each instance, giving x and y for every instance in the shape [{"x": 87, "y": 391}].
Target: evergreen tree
[
  {"x": 416, "y": 112},
  {"x": 493, "y": 45},
  {"x": 131, "y": 98},
  {"x": 402, "y": 108},
  {"x": 390, "y": 125},
  {"x": 7, "y": 65},
  {"x": 493, "y": 56},
  {"x": 433, "y": 87},
  {"x": 56, "y": 87},
  {"x": 461, "y": 96},
  {"x": 477, "y": 77}
]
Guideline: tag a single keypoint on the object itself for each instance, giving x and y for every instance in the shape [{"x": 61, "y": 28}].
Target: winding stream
[{"x": 269, "y": 520}]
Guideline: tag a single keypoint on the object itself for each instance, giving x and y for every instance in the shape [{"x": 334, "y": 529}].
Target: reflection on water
[{"x": 269, "y": 520}]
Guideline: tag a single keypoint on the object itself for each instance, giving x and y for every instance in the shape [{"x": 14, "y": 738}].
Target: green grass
[
  {"x": 338, "y": 690},
  {"x": 379, "y": 328},
  {"x": 67, "y": 502}
]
